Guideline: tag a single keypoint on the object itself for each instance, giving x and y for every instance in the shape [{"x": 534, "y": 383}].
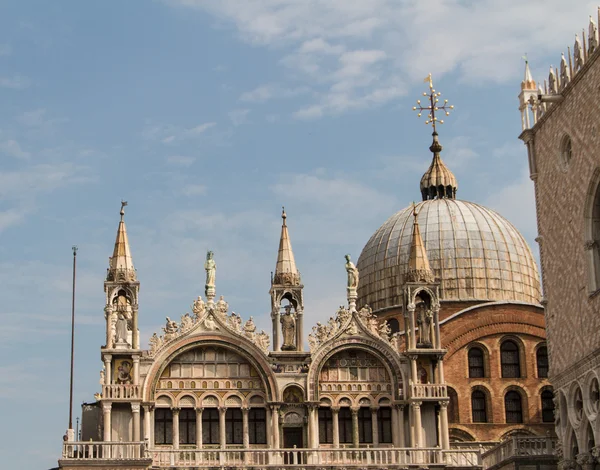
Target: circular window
[{"x": 566, "y": 151}]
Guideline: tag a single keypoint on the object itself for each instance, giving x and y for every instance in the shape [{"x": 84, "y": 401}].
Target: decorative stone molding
[
  {"x": 135, "y": 407},
  {"x": 208, "y": 318},
  {"x": 349, "y": 322},
  {"x": 584, "y": 458},
  {"x": 567, "y": 465}
]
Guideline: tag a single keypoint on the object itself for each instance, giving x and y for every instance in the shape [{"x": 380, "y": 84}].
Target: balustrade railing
[
  {"x": 93, "y": 450},
  {"x": 425, "y": 391},
  {"x": 519, "y": 447},
  {"x": 120, "y": 391},
  {"x": 289, "y": 457}
]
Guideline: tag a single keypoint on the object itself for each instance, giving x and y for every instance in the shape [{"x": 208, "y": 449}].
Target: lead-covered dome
[{"x": 474, "y": 252}]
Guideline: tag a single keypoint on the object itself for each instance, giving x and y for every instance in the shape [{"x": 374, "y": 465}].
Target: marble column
[
  {"x": 222, "y": 430},
  {"x": 412, "y": 343},
  {"x": 275, "y": 318},
  {"x": 299, "y": 330},
  {"x": 375, "y": 425},
  {"x": 175, "y": 427},
  {"x": 136, "y": 370},
  {"x": 416, "y": 407},
  {"x": 413, "y": 370},
  {"x": 147, "y": 424},
  {"x": 355, "y": 439},
  {"x": 199, "y": 411},
  {"x": 245, "y": 428},
  {"x": 441, "y": 371},
  {"x": 436, "y": 319},
  {"x": 275, "y": 425},
  {"x": 107, "y": 369},
  {"x": 108, "y": 312},
  {"x": 268, "y": 424},
  {"x": 445, "y": 436},
  {"x": 106, "y": 410},
  {"x": 335, "y": 412},
  {"x": 135, "y": 334},
  {"x": 135, "y": 410}
]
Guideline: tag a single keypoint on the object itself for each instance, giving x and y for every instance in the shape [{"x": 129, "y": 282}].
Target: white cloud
[
  {"x": 194, "y": 190},
  {"x": 238, "y": 116},
  {"x": 180, "y": 160},
  {"x": 12, "y": 148},
  {"x": 326, "y": 42},
  {"x": 168, "y": 134},
  {"x": 270, "y": 91},
  {"x": 202, "y": 128},
  {"x": 16, "y": 82}
]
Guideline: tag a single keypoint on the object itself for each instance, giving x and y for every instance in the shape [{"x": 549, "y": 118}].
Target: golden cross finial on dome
[{"x": 433, "y": 105}]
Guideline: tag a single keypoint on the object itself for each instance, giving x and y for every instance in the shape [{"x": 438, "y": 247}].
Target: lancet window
[
  {"x": 234, "y": 426},
  {"x": 542, "y": 362},
  {"x": 345, "y": 425},
  {"x": 163, "y": 426},
  {"x": 210, "y": 426},
  {"x": 384, "y": 423},
  {"x": 513, "y": 407},
  {"x": 325, "y": 426},
  {"x": 365, "y": 426},
  {"x": 187, "y": 426},
  {"x": 510, "y": 362},
  {"x": 547, "y": 406},
  {"x": 476, "y": 366},
  {"x": 478, "y": 406}
]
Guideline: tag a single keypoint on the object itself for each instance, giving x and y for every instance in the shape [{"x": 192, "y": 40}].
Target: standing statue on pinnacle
[
  {"x": 211, "y": 270},
  {"x": 352, "y": 273}
]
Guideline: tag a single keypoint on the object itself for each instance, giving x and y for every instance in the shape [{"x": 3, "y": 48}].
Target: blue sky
[{"x": 208, "y": 116}]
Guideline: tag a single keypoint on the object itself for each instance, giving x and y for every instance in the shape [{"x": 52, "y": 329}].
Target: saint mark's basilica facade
[{"x": 438, "y": 354}]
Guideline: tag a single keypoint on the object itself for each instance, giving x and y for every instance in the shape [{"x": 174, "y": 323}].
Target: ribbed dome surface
[{"x": 474, "y": 252}]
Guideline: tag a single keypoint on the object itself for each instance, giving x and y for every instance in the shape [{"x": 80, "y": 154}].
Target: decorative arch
[
  {"x": 186, "y": 401},
  {"x": 383, "y": 352},
  {"x": 432, "y": 296},
  {"x": 293, "y": 393},
  {"x": 130, "y": 293},
  {"x": 241, "y": 347},
  {"x": 575, "y": 405},
  {"x": 460, "y": 435},
  {"x": 591, "y": 219}
]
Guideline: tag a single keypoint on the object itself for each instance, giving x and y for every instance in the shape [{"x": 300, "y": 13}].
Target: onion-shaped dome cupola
[{"x": 438, "y": 182}]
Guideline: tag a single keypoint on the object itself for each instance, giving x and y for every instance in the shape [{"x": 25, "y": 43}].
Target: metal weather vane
[{"x": 433, "y": 107}]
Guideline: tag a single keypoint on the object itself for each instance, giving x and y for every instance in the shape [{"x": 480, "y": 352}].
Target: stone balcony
[
  {"x": 428, "y": 391},
  {"x": 121, "y": 392},
  {"x": 526, "y": 452},
  {"x": 136, "y": 456}
]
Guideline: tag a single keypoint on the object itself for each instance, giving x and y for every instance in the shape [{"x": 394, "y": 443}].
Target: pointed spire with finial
[
  {"x": 120, "y": 263},
  {"x": 286, "y": 272},
  {"x": 528, "y": 82},
  {"x": 438, "y": 181},
  {"x": 419, "y": 269}
]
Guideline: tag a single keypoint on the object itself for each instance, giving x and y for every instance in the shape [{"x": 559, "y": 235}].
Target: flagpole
[{"x": 72, "y": 339}]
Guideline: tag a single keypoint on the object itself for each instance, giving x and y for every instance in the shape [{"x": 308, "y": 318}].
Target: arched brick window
[
  {"x": 478, "y": 406},
  {"x": 513, "y": 407},
  {"x": 542, "y": 362},
  {"x": 509, "y": 358},
  {"x": 547, "y": 406},
  {"x": 452, "y": 406},
  {"x": 476, "y": 367}
]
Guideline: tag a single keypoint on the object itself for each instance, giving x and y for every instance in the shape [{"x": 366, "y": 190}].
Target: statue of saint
[
  {"x": 288, "y": 329},
  {"x": 121, "y": 329},
  {"x": 424, "y": 321},
  {"x": 211, "y": 269},
  {"x": 352, "y": 273}
]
